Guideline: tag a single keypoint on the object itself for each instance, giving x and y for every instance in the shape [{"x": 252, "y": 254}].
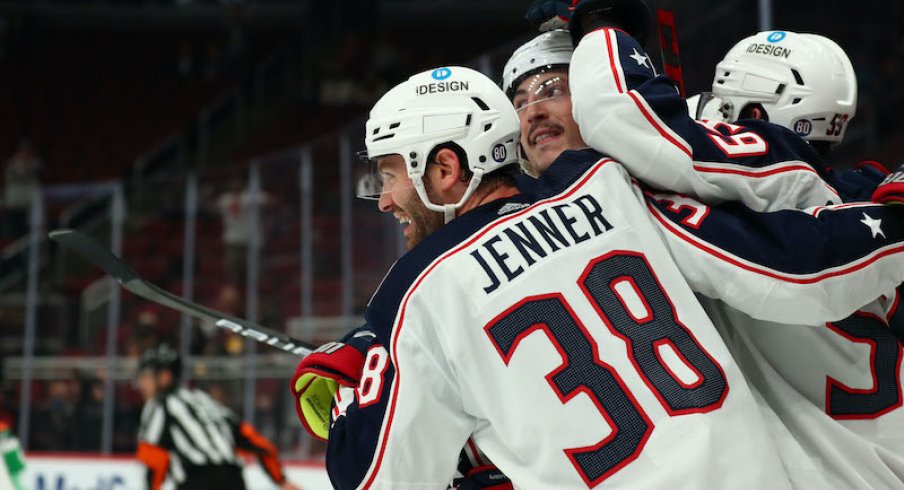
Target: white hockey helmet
[
  {"x": 805, "y": 83},
  {"x": 549, "y": 50},
  {"x": 445, "y": 105}
]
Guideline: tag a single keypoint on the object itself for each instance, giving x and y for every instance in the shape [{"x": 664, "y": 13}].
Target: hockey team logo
[
  {"x": 511, "y": 207},
  {"x": 803, "y": 127},
  {"x": 776, "y": 36},
  {"x": 441, "y": 73},
  {"x": 499, "y": 153}
]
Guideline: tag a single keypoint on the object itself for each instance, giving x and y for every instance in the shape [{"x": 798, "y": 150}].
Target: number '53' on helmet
[{"x": 805, "y": 82}]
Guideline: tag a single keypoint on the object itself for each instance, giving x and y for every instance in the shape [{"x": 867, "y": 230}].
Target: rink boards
[{"x": 46, "y": 471}]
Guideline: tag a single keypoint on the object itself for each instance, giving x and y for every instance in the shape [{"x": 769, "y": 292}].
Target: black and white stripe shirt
[{"x": 196, "y": 431}]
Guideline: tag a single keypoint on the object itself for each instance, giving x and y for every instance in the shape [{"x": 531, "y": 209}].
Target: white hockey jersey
[
  {"x": 559, "y": 333},
  {"x": 626, "y": 112},
  {"x": 836, "y": 387}
]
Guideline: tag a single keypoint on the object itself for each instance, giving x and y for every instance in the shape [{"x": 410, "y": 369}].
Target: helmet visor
[
  {"x": 380, "y": 175},
  {"x": 540, "y": 88}
]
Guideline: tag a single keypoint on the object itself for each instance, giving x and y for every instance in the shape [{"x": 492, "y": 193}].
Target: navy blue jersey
[{"x": 560, "y": 332}]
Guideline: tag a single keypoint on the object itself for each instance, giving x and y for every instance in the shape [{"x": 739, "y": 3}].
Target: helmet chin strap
[{"x": 448, "y": 210}]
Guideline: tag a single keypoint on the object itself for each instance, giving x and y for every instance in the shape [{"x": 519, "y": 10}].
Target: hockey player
[
  {"x": 191, "y": 438},
  {"x": 796, "y": 368},
  {"x": 802, "y": 82},
  {"x": 813, "y": 92},
  {"x": 13, "y": 464},
  {"x": 454, "y": 355}
]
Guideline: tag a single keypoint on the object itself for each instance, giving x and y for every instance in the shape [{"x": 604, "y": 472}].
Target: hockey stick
[
  {"x": 668, "y": 43},
  {"x": 129, "y": 279}
]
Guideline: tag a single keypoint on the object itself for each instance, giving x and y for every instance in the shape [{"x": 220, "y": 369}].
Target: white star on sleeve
[
  {"x": 875, "y": 225},
  {"x": 639, "y": 58}
]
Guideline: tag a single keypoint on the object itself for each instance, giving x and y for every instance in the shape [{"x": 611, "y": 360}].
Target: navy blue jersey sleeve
[
  {"x": 858, "y": 183},
  {"x": 356, "y": 426},
  {"x": 629, "y": 113},
  {"x": 794, "y": 266},
  {"x": 402, "y": 426}
]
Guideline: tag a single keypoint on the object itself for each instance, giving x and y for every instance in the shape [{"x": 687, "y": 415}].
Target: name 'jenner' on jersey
[{"x": 520, "y": 245}]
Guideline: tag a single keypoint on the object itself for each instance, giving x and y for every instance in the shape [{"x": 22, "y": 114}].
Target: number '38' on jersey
[
  {"x": 835, "y": 386},
  {"x": 561, "y": 336}
]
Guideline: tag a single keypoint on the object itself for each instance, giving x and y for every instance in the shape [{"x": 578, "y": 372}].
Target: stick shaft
[{"x": 130, "y": 280}]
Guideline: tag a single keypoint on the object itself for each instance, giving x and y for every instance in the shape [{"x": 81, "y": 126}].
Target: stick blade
[{"x": 95, "y": 253}]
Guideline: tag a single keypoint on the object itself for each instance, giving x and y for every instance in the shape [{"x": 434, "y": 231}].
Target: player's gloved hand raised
[
  {"x": 320, "y": 374},
  {"x": 549, "y": 14},
  {"x": 891, "y": 190},
  {"x": 631, "y": 16}
]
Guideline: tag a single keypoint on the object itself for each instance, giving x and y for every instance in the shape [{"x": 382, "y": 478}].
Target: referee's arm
[
  {"x": 250, "y": 440},
  {"x": 150, "y": 451},
  {"x": 157, "y": 461}
]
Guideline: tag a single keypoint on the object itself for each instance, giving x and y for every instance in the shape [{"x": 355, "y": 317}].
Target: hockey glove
[
  {"x": 549, "y": 14},
  {"x": 476, "y": 471},
  {"x": 891, "y": 190},
  {"x": 631, "y": 16},
  {"x": 319, "y": 376},
  {"x": 484, "y": 477}
]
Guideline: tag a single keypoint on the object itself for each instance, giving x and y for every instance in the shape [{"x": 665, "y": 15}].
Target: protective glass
[
  {"x": 380, "y": 175},
  {"x": 541, "y": 88}
]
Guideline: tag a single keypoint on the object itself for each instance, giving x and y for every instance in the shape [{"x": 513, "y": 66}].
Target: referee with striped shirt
[{"x": 186, "y": 434}]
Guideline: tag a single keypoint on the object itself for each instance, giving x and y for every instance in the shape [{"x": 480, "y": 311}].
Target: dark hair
[{"x": 500, "y": 177}]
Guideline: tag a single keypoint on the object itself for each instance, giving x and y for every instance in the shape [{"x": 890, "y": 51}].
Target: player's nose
[
  {"x": 534, "y": 111},
  {"x": 384, "y": 204}
]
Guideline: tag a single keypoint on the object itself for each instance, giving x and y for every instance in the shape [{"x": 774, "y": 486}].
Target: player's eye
[
  {"x": 553, "y": 87},
  {"x": 557, "y": 90}
]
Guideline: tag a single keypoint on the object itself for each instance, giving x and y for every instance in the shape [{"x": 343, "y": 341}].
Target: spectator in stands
[
  {"x": 235, "y": 207},
  {"x": 144, "y": 333},
  {"x": 217, "y": 341},
  {"x": 88, "y": 416},
  {"x": 21, "y": 184},
  {"x": 52, "y": 423}
]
